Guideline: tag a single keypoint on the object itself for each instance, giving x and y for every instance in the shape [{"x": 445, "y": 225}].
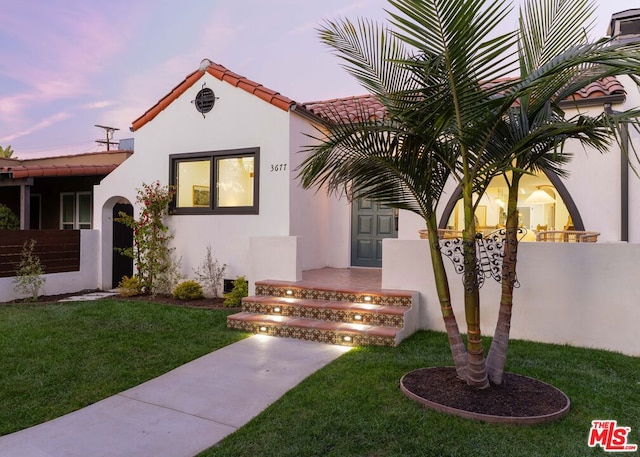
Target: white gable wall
[{"x": 238, "y": 120}]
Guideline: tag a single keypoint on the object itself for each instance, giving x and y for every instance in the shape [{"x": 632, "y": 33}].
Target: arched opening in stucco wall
[
  {"x": 115, "y": 237},
  {"x": 544, "y": 203}
]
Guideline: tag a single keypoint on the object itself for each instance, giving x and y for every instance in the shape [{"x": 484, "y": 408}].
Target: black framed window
[{"x": 216, "y": 182}]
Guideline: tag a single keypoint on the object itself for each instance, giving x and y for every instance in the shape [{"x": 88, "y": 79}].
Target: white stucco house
[
  {"x": 232, "y": 148},
  {"x": 233, "y": 158}
]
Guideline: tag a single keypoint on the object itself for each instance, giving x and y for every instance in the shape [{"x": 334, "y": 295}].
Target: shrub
[
  {"x": 210, "y": 273},
  {"x": 188, "y": 290},
  {"x": 150, "y": 251},
  {"x": 29, "y": 280},
  {"x": 239, "y": 291},
  {"x": 8, "y": 220},
  {"x": 130, "y": 286}
]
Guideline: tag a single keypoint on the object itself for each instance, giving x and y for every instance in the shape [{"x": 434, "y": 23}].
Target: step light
[
  {"x": 347, "y": 339},
  {"x": 357, "y": 317},
  {"x": 289, "y": 292},
  {"x": 367, "y": 298},
  {"x": 263, "y": 328},
  {"x": 277, "y": 310}
]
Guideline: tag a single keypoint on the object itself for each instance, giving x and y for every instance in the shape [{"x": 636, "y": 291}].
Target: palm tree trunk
[
  {"x": 476, "y": 368},
  {"x": 498, "y": 352},
  {"x": 456, "y": 343}
]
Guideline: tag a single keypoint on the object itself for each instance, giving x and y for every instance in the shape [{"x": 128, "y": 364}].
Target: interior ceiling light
[{"x": 539, "y": 196}]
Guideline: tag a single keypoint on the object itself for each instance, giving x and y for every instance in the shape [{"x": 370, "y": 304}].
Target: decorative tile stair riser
[{"x": 341, "y": 317}]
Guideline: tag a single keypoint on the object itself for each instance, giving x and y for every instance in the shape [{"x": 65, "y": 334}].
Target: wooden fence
[{"x": 58, "y": 250}]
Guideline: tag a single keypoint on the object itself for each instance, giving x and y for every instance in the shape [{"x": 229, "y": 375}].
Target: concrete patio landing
[{"x": 183, "y": 412}]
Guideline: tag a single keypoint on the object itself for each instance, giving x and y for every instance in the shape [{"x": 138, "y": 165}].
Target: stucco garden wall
[
  {"x": 579, "y": 294},
  {"x": 69, "y": 282}
]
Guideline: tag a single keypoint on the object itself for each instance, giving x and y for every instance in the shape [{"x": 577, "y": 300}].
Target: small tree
[
  {"x": 29, "y": 280},
  {"x": 8, "y": 220},
  {"x": 210, "y": 273},
  {"x": 150, "y": 251}
]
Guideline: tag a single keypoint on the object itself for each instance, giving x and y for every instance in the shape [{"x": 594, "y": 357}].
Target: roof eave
[{"x": 612, "y": 99}]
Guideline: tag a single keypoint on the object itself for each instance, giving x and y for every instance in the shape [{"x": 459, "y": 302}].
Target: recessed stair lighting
[
  {"x": 347, "y": 339},
  {"x": 367, "y": 298},
  {"x": 357, "y": 317},
  {"x": 277, "y": 309},
  {"x": 289, "y": 292},
  {"x": 263, "y": 328}
]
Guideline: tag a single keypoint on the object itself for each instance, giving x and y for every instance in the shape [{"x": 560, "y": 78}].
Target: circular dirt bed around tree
[{"x": 519, "y": 400}]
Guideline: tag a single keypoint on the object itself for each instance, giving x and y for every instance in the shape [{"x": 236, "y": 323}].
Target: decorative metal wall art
[{"x": 489, "y": 255}]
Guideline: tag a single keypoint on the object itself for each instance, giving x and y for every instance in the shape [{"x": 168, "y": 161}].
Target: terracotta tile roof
[
  {"x": 353, "y": 109},
  {"x": 348, "y": 108},
  {"x": 367, "y": 106},
  {"x": 605, "y": 87},
  {"x": 223, "y": 74},
  {"x": 38, "y": 171}
]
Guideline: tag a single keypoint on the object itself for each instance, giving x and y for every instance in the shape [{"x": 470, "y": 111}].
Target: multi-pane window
[
  {"x": 223, "y": 182},
  {"x": 75, "y": 210}
]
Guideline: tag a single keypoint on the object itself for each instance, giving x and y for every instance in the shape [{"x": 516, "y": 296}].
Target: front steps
[{"x": 316, "y": 313}]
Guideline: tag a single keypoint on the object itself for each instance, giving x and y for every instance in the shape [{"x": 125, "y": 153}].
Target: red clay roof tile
[
  {"x": 353, "y": 109},
  {"x": 348, "y": 108},
  {"x": 167, "y": 99},
  {"x": 223, "y": 74}
]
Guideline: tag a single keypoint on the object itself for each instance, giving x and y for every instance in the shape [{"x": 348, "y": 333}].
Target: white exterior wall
[
  {"x": 238, "y": 120},
  {"x": 582, "y": 294},
  {"x": 322, "y": 222},
  {"x": 68, "y": 282}
]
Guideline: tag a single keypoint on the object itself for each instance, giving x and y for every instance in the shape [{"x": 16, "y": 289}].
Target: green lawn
[
  {"x": 57, "y": 358},
  {"x": 353, "y": 407}
]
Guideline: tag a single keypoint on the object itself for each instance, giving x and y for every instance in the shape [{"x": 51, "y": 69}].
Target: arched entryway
[
  {"x": 122, "y": 239},
  {"x": 544, "y": 203},
  {"x": 114, "y": 234}
]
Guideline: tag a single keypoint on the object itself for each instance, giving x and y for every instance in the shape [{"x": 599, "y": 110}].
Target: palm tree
[
  {"x": 385, "y": 159},
  {"x": 6, "y": 152},
  {"x": 446, "y": 121},
  {"x": 535, "y": 131}
]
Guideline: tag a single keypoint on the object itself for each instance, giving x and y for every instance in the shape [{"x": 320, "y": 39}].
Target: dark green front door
[{"x": 370, "y": 224}]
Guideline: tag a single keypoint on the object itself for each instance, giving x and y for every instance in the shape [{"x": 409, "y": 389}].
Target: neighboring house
[
  {"x": 232, "y": 148},
  {"x": 55, "y": 192}
]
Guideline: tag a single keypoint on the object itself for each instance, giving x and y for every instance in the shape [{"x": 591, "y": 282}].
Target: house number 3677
[{"x": 278, "y": 167}]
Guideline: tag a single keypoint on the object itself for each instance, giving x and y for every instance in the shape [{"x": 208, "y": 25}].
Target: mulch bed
[
  {"x": 205, "y": 303},
  {"x": 518, "y": 396}
]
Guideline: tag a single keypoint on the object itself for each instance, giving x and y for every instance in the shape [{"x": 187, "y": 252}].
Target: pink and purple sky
[{"x": 66, "y": 65}]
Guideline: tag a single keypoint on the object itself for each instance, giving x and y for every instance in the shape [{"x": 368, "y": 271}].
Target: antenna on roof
[{"x": 109, "y": 133}]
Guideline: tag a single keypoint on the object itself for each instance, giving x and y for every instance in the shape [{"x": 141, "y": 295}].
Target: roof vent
[
  {"x": 625, "y": 26},
  {"x": 205, "y": 100}
]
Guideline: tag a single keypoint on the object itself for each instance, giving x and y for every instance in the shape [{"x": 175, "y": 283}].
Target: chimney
[{"x": 625, "y": 26}]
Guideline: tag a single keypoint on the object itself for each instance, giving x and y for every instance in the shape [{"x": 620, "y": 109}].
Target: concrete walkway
[{"x": 184, "y": 411}]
